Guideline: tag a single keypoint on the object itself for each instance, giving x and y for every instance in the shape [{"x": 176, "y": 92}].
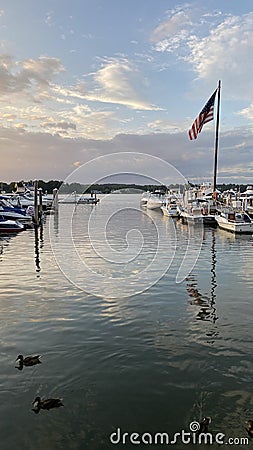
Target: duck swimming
[
  {"x": 28, "y": 360},
  {"x": 48, "y": 403},
  {"x": 250, "y": 428},
  {"x": 204, "y": 425}
]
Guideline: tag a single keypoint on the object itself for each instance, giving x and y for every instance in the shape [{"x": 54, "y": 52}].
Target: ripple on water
[{"x": 153, "y": 361}]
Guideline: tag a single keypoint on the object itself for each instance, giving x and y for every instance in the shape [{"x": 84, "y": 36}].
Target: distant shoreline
[{"x": 49, "y": 186}]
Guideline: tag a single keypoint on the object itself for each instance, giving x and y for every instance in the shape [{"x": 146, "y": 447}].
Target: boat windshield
[{"x": 4, "y": 202}]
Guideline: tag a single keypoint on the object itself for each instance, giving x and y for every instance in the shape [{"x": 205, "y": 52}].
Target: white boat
[
  {"x": 198, "y": 206},
  {"x": 156, "y": 200},
  {"x": 235, "y": 222},
  {"x": 192, "y": 213},
  {"x": 10, "y": 226},
  {"x": 10, "y": 212},
  {"x": 144, "y": 199},
  {"x": 80, "y": 199},
  {"x": 25, "y": 198},
  {"x": 247, "y": 200},
  {"x": 170, "y": 209}
]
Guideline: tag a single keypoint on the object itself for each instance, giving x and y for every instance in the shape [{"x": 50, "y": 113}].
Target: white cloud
[
  {"x": 225, "y": 51},
  {"x": 49, "y": 18},
  {"x": 56, "y": 159},
  {"x": 171, "y": 26},
  {"x": 33, "y": 75},
  {"x": 119, "y": 81},
  {"x": 215, "y": 45},
  {"x": 247, "y": 112}
]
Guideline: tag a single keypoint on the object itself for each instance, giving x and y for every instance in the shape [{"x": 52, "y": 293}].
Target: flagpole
[{"x": 216, "y": 139}]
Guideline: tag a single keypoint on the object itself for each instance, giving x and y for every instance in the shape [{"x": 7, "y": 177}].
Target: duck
[
  {"x": 28, "y": 360},
  {"x": 203, "y": 425},
  {"x": 48, "y": 403},
  {"x": 250, "y": 428}
]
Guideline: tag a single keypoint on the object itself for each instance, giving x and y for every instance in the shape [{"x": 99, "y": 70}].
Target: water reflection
[
  {"x": 4, "y": 242},
  {"x": 123, "y": 361},
  {"x": 207, "y": 303},
  {"x": 38, "y": 244}
]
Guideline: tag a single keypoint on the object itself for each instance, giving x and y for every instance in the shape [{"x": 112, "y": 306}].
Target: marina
[
  {"x": 126, "y": 225},
  {"x": 121, "y": 361}
]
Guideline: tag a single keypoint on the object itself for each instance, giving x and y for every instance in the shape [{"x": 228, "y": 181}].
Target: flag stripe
[{"x": 205, "y": 116}]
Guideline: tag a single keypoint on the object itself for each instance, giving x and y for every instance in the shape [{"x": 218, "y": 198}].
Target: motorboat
[
  {"x": 192, "y": 213},
  {"x": 247, "y": 200},
  {"x": 10, "y": 212},
  {"x": 156, "y": 200},
  {"x": 23, "y": 197},
  {"x": 10, "y": 226},
  {"x": 170, "y": 209},
  {"x": 198, "y": 206},
  {"x": 144, "y": 199},
  {"x": 80, "y": 199},
  {"x": 235, "y": 221}
]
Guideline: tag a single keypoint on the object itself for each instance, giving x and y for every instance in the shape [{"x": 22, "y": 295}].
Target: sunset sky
[{"x": 85, "y": 78}]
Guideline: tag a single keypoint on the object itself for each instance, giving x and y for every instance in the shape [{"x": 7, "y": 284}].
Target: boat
[
  {"x": 10, "y": 226},
  {"x": 192, "y": 212},
  {"x": 170, "y": 209},
  {"x": 235, "y": 221},
  {"x": 27, "y": 199},
  {"x": 156, "y": 200},
  {"x": 23, "y": 197},
  {"x": 8, "y": 211},
  {"x": 74, "y": 198},
  {"x": 247, "y": 200},
  {"x": 144, "y": 199}
]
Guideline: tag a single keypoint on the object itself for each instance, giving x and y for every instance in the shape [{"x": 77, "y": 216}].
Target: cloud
[
  {"x": 58, "y": 125},
  {"x": 247, "y": 112},
  {"x": 49, "y": 18},
  {"x": 119, "y": 81},
  {"x": 171, "y": 26},
  {"x": 9, "y": 117},
  {"x": 28, "y": 75},
  {"x": 48, "y": 156},
  {"x": 160, "y": 125},
  {"x": 214, "y": 45},
  {"x": 225, "y": 51},
  {"x": 38, "y": 101}
]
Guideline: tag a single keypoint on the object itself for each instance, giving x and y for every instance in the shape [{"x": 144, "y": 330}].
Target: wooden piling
[
  {"x": 40, "y": 202},
  {"x": 36, "y": 209},
  {"x": 55, "y": 199}
]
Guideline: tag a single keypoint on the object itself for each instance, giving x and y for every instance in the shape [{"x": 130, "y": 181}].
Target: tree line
[{"x": 65, "y": 188}]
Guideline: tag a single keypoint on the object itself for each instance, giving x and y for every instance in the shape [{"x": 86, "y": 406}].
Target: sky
[{"x": 83, "y": 79}]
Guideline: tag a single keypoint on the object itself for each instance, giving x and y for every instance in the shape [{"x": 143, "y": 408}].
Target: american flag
[{"x": 206, "y": 115}]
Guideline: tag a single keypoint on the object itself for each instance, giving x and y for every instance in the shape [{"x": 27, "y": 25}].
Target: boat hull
[
  {"x": 169, "y": 212},
  {"x": 10, "y": 226},
  {"x": 186, "y": 217},
  {"x": 233, "y": 227},
  {"x": 154, "y": 204}
]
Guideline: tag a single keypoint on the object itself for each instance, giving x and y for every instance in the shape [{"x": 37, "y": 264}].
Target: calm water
[{"x": 123, "y": 344}]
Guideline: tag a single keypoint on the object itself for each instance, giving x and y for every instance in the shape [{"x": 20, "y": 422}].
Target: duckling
[
  {"x": 250, "y": 428},
  {"x": 28, "y": 360},
  {"x": 48, "y": 403},
  {"x": 204, "y": 425}
]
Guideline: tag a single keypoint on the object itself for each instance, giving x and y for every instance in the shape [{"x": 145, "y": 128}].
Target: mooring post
[
  {"x": 55, "y": 199},
  {"x": 40, "y": 202},
  {"x": 36, "y": 210}
]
